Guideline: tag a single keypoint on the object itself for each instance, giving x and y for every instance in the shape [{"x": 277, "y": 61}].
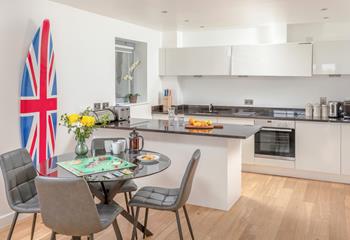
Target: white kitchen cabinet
[
  {"x": 290, "y": 59},
  {"x": 331, "y": 57},
  {"x": 345, "y": 149},
  {"x": 195, "y": 61},
  {"x": 318, "y": 147}
]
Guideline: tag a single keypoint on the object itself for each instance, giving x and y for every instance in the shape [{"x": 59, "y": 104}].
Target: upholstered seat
[
  {"x": 167, "y": 199},
  {"x": 19, "y": 174},
  {"x": 67, "y": 207},
  {"x": 127, "y": 186},
  {"x": 156, "y": 198},
  {"x": 108, "y": 213},
  {"x": 29, "y": 206}
]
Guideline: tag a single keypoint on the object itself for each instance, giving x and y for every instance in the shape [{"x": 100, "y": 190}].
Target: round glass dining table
[
  {"x": 142, "y": 168},
  {"x": 118, "y": 176}
]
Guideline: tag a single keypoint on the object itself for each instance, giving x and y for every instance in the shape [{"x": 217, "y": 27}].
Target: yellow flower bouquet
[{"x": 82, "y": 125}]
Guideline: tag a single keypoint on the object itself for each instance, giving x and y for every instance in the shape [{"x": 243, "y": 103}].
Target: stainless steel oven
[{"x": 275, "y": 140}]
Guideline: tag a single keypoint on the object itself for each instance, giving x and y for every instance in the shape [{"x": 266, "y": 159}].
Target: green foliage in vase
[{"x": 81, "y": 124}]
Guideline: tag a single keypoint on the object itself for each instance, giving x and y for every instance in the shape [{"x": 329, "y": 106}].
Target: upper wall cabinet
[
  {"x": 331, "y": 57},
  {"x": 195, "y": 61},
  {"x": 291, "y": 59}
]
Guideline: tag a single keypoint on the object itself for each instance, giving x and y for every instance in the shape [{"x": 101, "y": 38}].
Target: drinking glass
[{"x": 171, "y": 114}]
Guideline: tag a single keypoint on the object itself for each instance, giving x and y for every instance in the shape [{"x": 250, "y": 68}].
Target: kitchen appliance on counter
[
  {"x": 275, "y": 140},
  {"x": 122, "y": 113},
  {"x": 346, "y": 109},
  {"x": 102, "y": 115},
  {"x": 309, "y": 110},
  {"x": 334, "y": 109},
  {"x": 316, "y": 110}
]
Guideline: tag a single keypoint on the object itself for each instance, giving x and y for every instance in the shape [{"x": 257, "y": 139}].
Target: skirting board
[
  {"x": 6, "y": 219},
  {"x": 288, "y": 172}
]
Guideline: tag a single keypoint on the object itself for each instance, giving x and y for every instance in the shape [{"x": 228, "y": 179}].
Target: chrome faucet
[{"x": 211, "y": 108}]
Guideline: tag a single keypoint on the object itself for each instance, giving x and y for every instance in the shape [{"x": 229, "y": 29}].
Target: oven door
[{"x": 278, "y": 143}]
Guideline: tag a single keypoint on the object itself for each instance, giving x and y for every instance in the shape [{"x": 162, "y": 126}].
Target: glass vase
[{"x": 81, "y": 149}]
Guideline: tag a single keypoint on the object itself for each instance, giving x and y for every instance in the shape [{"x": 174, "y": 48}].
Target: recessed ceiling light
[
  {"x": 202, "y": 26},
  {"x": 164, "y": 11},
  {"x": 324, "y": 9},
  {"x": 186, "y": 20},
  {"x": 325, "y": 18}
]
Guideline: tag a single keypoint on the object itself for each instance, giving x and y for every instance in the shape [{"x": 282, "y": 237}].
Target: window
[{"x": 131, "y": 70}]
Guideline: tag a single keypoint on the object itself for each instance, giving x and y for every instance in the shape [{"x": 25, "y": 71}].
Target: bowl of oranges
[{"x": 199, "y": 124}]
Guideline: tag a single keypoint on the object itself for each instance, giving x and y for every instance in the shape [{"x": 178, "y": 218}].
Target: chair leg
[
  {"x": 76, "y": 238},
  {"x": 188, "y": 222},
  {"x": 126, "y": 202},
  {"x": 9, "y": 236},
  {"x": 179, "y": 224},
  {"x": 53, "y": 236},
  {"x": 91, "y": 237},
  {"x": 134, "y": 230},
  {"x": 145, "y": 223},
  {"x": 33, "y": 226},
  {"x": 132, "y": 209},
  {"x": 118, "y": 234}
]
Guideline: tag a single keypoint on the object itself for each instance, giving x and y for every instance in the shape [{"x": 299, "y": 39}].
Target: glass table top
[{"x": 142, "y": 169}]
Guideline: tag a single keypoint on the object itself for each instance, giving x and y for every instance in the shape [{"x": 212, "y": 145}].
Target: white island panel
[{"x": 217, "y": 183}]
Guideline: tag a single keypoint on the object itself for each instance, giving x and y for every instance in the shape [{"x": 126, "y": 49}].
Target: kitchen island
[{"x": 217, "y": 183}]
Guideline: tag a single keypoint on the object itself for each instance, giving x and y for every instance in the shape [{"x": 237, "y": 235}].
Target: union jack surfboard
[{"x": 38, "y": 104}]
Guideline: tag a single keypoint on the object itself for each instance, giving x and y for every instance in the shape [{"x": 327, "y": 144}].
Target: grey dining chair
[
  {"x": 19, "y": 174},
  {"x": 167, "y": 199},
  {"x": 67, "y": 207},
  {"x": 127, "y": 187}
]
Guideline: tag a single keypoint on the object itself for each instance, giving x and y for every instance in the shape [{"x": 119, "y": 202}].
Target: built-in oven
[{"x": 275, "y": 140}]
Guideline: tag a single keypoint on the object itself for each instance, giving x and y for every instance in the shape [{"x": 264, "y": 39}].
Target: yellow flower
[
  {"x": 88, "y": 121},
  {"x": 73, "y": 118}
]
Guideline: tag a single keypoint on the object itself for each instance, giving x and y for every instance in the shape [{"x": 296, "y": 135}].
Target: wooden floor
[{"x": 271, "y": 207}]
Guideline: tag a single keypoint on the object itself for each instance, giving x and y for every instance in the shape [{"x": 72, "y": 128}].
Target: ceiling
[{"x": 189, "y": 15}]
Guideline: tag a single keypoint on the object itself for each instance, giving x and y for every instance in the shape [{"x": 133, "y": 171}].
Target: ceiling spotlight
[
  {"x": 202, "y": 26},
  {"x": 186, "y": 20},
  {"x": 164, "y": 11},
  {"x": 325, "y": 18},
  {"x": 324, "y": 9}
]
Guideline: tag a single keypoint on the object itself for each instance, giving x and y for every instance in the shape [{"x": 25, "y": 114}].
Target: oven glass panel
[{"x": 275, "y": 143}]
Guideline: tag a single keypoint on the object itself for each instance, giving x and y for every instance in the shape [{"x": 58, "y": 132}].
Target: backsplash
[{"x": 291, "y": 92}]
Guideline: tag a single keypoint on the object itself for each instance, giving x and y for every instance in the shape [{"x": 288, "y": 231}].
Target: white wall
[
  {"x": 273, "y": 33},
  {"x": 266, "y": 91},
  {"x": 84, "y": 45},
  {"x": 318, "y": 32}
]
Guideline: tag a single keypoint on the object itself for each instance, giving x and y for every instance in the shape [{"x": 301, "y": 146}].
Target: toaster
[
  {"x": 102, "y": 115},
  {"x": 346, "y": 109},
  {"x": 122, "y": 113}
]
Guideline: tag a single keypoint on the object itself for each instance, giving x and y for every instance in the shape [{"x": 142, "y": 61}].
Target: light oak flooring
[{"x": 271, "y": 207}]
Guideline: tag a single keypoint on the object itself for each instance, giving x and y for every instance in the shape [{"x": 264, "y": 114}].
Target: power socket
[
  {"x": 248, "y": 102},
  {"x": 97, "y": 106},
  {"x": 105, "y": 105}
]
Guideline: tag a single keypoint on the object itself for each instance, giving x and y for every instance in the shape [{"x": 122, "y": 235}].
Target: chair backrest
[
  {"x": 187, "y": 180},
  {"x": 98, "y": 144},
  {"x": 67, "y": 206},
  {"x": 19, "y": 174}
]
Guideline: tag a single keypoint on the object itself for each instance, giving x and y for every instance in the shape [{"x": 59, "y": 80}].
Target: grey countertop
[
  {"x": 164, "y": 126},
  {"x": 294, "y": 114}
]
